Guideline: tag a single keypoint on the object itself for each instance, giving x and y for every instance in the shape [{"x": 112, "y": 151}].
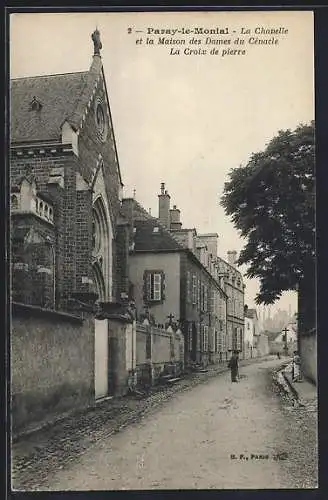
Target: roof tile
[
  {"x": 59, "y": 96},
  {"x": 146, "y": 239}
]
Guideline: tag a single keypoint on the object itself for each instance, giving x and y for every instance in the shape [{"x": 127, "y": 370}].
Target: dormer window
[{"x": 35, "y": 104}]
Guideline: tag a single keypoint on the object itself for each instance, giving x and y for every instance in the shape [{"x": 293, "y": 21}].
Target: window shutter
[
  {"x": 162, "y": 285},
  {"x": 147, "y": 286},
  {"x": 190, "y": 337},
  {"x": 212, "y": 305},
  {"x": 187, "y": 286},
  {"x": 202, "y": 337},
  {"x": 194, "y": 289},
  {"x": 156, "y": 286}
]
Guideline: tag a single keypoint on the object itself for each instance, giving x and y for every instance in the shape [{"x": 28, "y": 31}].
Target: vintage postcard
[{"x": 162, "y": 256}]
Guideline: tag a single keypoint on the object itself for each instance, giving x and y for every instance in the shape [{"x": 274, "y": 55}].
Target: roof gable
[
  {"x": 251, "y": 313},
  {"x": 273, "y": 335}
]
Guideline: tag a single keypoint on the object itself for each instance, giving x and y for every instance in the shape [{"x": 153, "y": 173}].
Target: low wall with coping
[
  {"x": 157, "y": 351},
  {"x": 308, "y": 354},
  {"x": 52, "y": 363}
]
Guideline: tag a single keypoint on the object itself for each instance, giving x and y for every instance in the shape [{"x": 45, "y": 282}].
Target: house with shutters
[
  {"x": 69, "y": 241},
  {"x": 235, "y": 289},
  {"x": 169, "y": 279},
  {"x": 225, "y": 272}
]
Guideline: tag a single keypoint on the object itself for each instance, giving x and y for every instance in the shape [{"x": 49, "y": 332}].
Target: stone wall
[
  {"x": 157, "y": 349},
  {"x": 280, "y": 347},
  {"x": 141, "y": 345},
  {"x": 161, "y": 348},
  {"x": 262, "y": 345},
  {"x": 249, "y": 352},
  {"x": 52, "y": 364},
  {"x": 118, "y": 361},
  {"x": 308, "y": 353}
]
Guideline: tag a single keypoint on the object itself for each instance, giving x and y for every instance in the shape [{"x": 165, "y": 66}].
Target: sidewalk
[
  {"x": 304, "y": 394},
  {"x": 305, "y": 391}
]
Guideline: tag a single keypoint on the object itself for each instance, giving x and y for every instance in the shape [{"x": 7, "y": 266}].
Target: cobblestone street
[{"x": 217, "y": 435}]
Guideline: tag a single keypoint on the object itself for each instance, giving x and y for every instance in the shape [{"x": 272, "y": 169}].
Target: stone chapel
[{"x": 69, "y": 244}]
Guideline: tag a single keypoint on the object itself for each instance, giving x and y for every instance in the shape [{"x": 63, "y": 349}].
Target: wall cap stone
[{"x": 20, "y": 309}]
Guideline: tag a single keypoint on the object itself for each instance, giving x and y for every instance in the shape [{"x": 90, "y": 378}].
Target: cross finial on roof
[
  {"x": 170, "y": 318},
  {"x": 96, "y": 42}
]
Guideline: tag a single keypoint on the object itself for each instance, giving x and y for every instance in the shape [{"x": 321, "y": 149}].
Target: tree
[{"x": 271, "y": 201}]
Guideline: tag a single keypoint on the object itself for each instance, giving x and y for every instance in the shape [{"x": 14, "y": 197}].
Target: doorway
[{"x": 101, "y": 358}]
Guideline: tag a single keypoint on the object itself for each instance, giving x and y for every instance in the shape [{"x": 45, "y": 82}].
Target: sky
[{"x": 184, "y": 119}]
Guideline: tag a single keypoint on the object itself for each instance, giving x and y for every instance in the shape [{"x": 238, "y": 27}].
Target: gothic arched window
[
  {"x": 97, "y": 232},
  {"x": 101, "y": 249}
]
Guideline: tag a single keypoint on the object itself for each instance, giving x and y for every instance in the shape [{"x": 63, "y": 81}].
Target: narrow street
[{"x": 217, "y": 435}]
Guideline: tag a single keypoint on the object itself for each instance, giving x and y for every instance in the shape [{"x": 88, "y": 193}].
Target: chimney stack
[
  {"x": 164, "y": 207},
  {"x": 232, "y": 257},
  {"x": 175, "y": 218}
]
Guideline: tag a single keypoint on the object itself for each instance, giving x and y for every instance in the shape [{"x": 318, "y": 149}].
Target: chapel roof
[{"x": 58, "y": 97}]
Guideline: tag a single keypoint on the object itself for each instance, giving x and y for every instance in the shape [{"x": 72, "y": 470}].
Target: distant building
[
  {"x": 234, "y": 287},
  {"x": 283, "y": 341},
  {"x": 248, "y": 335},
  {"x": 251, "y": 331}
]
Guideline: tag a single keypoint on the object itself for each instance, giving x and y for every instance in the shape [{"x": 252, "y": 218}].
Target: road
[{"x": 218, "y": 435}]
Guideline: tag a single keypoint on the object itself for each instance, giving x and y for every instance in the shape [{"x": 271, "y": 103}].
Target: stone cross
[
  {"x": 96, "y": 42},
  {"x": 285, "y": 331},
  {"x": 170, "y": 318}
]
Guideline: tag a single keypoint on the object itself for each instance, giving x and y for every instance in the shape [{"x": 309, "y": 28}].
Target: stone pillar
[
  {"x": 181, "y": 347},
  {"x": 134, "y": 353},
  {"x": 172, "y": 353},
  {"x": 149, "y": 350}
]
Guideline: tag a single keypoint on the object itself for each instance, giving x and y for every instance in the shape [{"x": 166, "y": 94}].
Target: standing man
[
  {"x": 233, "y": 365},
  {"x": 297, "y": 376}
]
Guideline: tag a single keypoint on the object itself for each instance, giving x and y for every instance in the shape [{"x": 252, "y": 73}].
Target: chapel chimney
[
  {"x": 164, "y": 207},
  {"x": 175, "y": 218},
  {"x": 232, "y": 257}
]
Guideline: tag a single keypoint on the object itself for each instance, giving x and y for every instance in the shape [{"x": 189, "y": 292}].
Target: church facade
[
  {"x": 70, "y": 324},
  {"x": 66, "y": 190}
]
